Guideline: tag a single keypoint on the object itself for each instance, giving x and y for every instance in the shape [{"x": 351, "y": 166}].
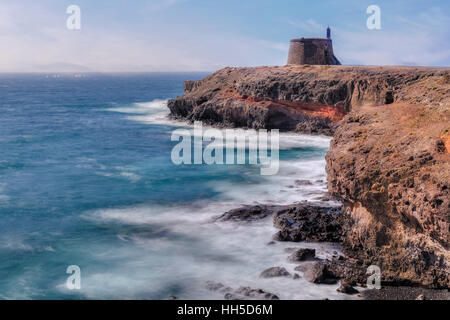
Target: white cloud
[
  {"x": 280, "y": 46},
  {"x": 158, "y": 5},
  {"x": 36, "y": 40}
]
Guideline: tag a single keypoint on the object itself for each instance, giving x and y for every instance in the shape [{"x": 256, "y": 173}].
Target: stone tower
[{"x": 312, "y": 51}]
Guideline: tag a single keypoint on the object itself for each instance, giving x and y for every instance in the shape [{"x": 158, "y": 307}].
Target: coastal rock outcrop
[
  {"x": 310, "y": 99},
  {"x": 247, "y": 213}
]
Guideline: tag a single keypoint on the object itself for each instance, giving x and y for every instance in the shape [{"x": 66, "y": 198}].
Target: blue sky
[{"x": 204, "y": 35}]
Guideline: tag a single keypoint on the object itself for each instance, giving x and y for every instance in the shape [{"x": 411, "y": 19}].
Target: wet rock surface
[
  {"x": 274, "y": 272},
  {"x": 302, "y": 222},
  {"x": 248, "y": 213},
  {"x": 247, "y": 293},
  {"x": 302, "y": 254},
  {"x": 303, "y": 267},
  {"x": 319, "y": 273},
  {"x": 218, "y": 286},
  {"x": 242, "y": 293}
]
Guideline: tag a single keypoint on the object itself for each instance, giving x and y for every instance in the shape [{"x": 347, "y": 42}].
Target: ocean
[{"x": 86, "y": 179}]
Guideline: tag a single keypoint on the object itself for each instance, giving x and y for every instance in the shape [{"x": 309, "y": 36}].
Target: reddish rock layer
[{"x": 309, "y": 99}]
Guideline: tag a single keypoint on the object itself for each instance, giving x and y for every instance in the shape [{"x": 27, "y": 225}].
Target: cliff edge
[{"x": 309, "y": 99}]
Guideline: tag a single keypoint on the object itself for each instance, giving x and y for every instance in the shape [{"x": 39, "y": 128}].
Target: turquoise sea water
[{"x": 86, "y": 179}]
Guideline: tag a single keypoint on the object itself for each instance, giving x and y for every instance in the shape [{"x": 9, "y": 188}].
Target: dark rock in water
[
  {"x": 323, "y": 198},
  {"x": 319, "y": 273},
  {"x": 298, "y": 222},
  {"x": 303, "y": 182},
  {"x": 232, "y": 296},
  {"x": 217, "y": 286},
  {"x": 173, "y": 298},
  {"x": 213, "y": 286},
  {"x": 289, "y": 249},
  {"x": 247, "y": 293},
  {"x": 347, "y": 288},
  {"x": 296, "y": 276},
  {"x": 256, "y": 293},
  {"x": 301, "y": 222},
  {"x": 302, "y": 255},
  {"x": 242, "y": 293},
  {"x": 247, "y": 213},
  {"x": 271, "y": 243},
  {"x": 274, "y": 272}
]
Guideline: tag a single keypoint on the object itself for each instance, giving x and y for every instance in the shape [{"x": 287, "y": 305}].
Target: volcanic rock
[
  {"x": 274, "y": 272},
  {"x": 301, "y": 222}
]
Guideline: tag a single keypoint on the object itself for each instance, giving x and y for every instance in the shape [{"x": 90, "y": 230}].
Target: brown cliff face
[
  {"x": 391, "y": 168},
  {"x": 309, "y": 99}
]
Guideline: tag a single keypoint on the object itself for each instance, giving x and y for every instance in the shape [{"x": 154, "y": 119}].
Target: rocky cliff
[
  {"x": 391, "y": 167},
  {"x": 389, "y": 160},
  {"x": 310, "y": 99}
]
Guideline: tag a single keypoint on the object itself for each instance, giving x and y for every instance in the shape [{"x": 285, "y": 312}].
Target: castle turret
[{"x": 312, "y": 51}]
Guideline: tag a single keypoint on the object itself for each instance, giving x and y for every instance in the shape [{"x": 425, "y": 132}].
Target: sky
[{"x": 205, "y": 35}]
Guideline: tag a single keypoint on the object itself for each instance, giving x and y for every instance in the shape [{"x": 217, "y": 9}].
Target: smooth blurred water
[{"x": 86, "y": 179}]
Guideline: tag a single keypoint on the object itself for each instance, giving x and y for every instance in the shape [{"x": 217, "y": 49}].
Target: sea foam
[{"x": 175, "y": 249}]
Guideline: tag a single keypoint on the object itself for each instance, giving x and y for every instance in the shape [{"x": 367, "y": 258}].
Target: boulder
[
  {"x": 319, "y": 273},
  {"x": 304, "y": 222},
  {"x": 274, "y": 272}
]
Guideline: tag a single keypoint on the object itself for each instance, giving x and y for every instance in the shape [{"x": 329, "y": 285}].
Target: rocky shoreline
[
  {"x": 313, "y": 222},
  {"x": 388, "y": 164}
]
